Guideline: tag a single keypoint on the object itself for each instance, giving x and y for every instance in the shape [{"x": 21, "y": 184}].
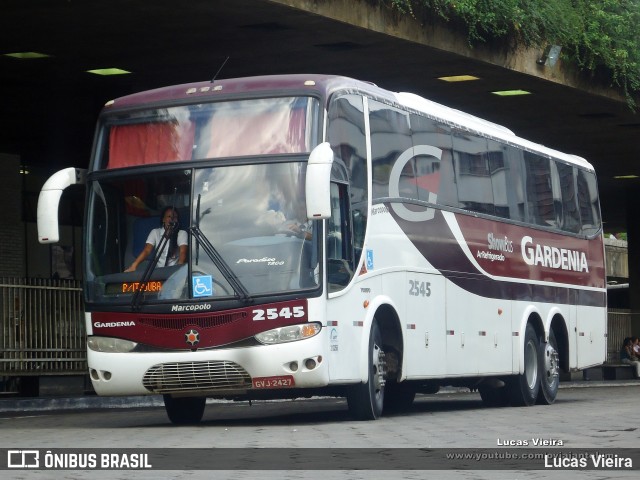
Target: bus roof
[
  {"x": 486, "y": 127},
  {"x": 326, "y": 85}
]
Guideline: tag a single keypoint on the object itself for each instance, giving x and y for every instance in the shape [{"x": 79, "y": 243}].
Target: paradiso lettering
[{"x": 553, "y": 257}]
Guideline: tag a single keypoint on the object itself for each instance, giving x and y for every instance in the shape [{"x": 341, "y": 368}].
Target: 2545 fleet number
[
  {"x": 276, "y": 313},
  {"x": 419, "y": 289}
]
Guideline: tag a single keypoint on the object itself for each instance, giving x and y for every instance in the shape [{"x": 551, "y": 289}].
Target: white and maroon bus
[{"x": 341, "y": 240}]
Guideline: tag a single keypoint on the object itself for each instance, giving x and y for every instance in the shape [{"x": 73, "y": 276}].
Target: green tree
[{"x": 600, "y": 37}]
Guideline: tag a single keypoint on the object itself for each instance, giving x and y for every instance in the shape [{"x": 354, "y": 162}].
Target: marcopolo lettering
[
  {"x": 553, "y": 257},
  {"x": 191, "y": 308}
]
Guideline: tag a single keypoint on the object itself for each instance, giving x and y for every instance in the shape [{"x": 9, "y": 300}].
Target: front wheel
[
  {"x": 366, "y": 400},
  {"x": 524, "y": 388},
  {"x": 184, "y": 410},
  {"x": 550, "y": 371}
]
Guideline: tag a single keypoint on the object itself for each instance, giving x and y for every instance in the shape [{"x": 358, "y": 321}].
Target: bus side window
[
  {"x": 588, "y": 202},
  {"x": 473, "y": 174},
  {"x": 390, "y": 138},
  {"x": 569, "y": 200},
  {"x": 539, "y": 189}
]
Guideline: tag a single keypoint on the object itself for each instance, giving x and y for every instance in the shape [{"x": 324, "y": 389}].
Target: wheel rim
[
  {"x": 551, "y": 362},
  {"x": 377, "y": 370},
  {"x": 531, "y": 364}
]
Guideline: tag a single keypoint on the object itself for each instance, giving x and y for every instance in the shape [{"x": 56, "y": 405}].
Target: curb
[{"x": 12, "y": 405}]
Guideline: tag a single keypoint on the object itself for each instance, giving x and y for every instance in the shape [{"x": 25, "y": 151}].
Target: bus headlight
[
  {"x": 110, "y": 345},
  {"x": 291, "y": 333}
]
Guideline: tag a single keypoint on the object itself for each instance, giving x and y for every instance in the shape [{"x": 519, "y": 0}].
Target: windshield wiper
[
  {"x": 135, "y": 301},
  {"x": 240, "y": 290}
]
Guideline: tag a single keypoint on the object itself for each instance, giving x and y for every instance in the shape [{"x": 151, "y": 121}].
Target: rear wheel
[
  {"x": 524, "y": 388},
  {"x": 366, "y": 400},
  {"x": 184, "y": 410},
  {"x": 549, "y": 371}
]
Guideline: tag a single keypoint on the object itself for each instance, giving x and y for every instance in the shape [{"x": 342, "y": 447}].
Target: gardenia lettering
[
  {"x": 113, "y": 324},
  {"x": 553, "y": 257}
]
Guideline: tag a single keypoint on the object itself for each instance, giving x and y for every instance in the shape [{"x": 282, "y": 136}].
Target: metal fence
[
  {"x": 42, "y": 327},
  {"x": 618, "y": 328}
]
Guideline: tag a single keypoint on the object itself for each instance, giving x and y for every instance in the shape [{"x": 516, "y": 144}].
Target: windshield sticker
[{"x": 202, "y": 286}]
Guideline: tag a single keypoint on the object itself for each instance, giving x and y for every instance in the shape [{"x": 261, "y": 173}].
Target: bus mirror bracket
[
  {"x": 318, "y": 182},
  {"x": 49, "y": 200}
]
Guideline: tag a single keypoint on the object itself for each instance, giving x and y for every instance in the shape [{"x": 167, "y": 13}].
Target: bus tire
[
  {"x": 184, "y": 410},
  {"x": 366, "y": 400},
  {"x": 549, "y": 370},
  {"x": 524, "y": 388}
]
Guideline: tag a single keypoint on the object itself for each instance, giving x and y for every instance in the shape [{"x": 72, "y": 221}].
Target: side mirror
[
  {"x": 49, "y": 200},
  {"x": 318, "y": 182}
]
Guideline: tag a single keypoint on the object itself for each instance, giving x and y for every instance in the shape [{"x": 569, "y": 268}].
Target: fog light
[
  {"x": 293, "y": 366},
  {"x": 310, "y": 363}
]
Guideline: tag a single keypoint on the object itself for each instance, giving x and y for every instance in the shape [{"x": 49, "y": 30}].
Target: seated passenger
[
  {"x": 176, "y": 251},
  {"x": 627, "y": 355},
  {"x": 635, "y": 341}
]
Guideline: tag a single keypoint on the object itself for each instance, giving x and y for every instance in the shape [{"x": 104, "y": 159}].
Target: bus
[{"x": 340, "y": 239}]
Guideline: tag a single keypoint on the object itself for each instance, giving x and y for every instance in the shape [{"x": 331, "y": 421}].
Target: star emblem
[{"x": 192, "y": 337}]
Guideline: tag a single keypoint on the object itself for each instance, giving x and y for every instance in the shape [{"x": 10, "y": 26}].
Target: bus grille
[
  {"x": 187, "y": 376},
  {"x": 180, "y": 323}
]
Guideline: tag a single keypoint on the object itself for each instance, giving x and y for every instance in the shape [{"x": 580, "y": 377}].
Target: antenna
[{"x": 220, "y": 69}]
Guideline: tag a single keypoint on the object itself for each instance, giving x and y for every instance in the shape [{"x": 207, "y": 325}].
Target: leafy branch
[{"x": 600, "y": 37}]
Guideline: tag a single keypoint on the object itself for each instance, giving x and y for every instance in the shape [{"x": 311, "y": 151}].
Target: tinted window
[
  {"x": 390, "y": 137},
  {"x": 433, "y": 162},
  {"x": 508, "y": 184},
  {"x": 473, "y": 173},
  {"x": 568, "y": 197},
  {"x": 539, "y": 190},
  {"x": 588, "y": 202}
]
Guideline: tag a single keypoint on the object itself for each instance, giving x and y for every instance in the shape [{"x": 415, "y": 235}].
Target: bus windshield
[
  {"x": 243, "y": 230},
  {"x": 210, "y": 130}
]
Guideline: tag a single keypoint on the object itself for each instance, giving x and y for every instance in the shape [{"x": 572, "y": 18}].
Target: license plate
[{"x": 283, "y": 381}]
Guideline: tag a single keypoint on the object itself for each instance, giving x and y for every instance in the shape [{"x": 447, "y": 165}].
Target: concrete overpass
[{"x": 50, "y": 104}]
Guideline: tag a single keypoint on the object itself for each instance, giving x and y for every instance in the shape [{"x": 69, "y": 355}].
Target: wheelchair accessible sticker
[
  {"x": 369, "y": 259},
  {"x": 202, "y": 286}
]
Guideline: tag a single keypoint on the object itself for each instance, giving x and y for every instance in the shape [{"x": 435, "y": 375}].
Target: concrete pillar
[
  {"x": 633, "y": 242},
  {"x": 12, "y": 234}
]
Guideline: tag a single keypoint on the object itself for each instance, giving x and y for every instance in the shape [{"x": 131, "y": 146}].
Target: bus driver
[{"x": 176, "y": 253}]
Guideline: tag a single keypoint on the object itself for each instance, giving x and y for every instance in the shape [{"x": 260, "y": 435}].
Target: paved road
[{"x": 601, "y": 418}]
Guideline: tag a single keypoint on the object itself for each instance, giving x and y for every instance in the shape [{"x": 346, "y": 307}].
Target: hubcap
[
  {"x": 531, "y": 364},
  {"x": 378, "y": 368},
  {"x": 551, "y": 363}
]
